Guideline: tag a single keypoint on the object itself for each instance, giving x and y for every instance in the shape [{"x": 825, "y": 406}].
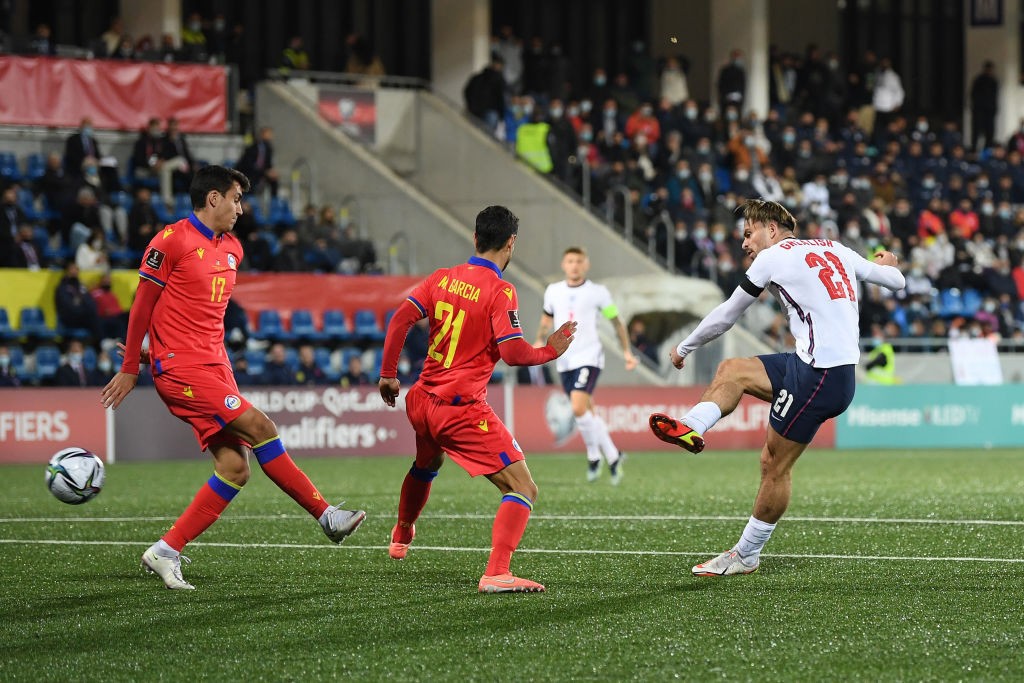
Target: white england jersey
[
  {"x": 582, "y": 303},
  {"x": 816, "y": 283}
]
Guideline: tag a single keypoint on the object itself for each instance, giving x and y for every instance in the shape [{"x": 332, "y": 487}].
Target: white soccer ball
[{"x": 74, "y": 475}]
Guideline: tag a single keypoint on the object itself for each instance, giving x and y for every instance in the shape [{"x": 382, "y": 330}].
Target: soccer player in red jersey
[
  {"x": 474, "y": 321},
  {"x": 186, "y": 278}
]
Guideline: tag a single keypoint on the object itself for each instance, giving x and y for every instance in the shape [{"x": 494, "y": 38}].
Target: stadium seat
[
  {"x": 18, "y": 363},
  {"x": 32, "y": 324},
  {"x": 73, "y": 332},
  {"x": 387, "y": 318},
  {"x": 269, "y": 326},
  {"x": 89, "y": 358},
  {"x": 182, "y": 206},
  {"x": 322, "y": 354},
  {"x": 291, "y": 357},
  {"x": 35, "y": 166},
  {"x": 160, "y": 209},
  {"x": 951, "y": 303},
  {"x": 47, "y": 361},
  {"x": 27, "y": 202},
  {"x": 9, "y": 167},
  {"x": 972, "y": 302},
  {"x": 303, "y": 326},
  {"x": 122, "y": 199},
  {"x": 280, "y": 212},
  {"x": 346, "y": 355},
  {"x": 366, "y": 326},
  {"x": 6, "y": 332},
  {"x": 335, "y": 327},
  {"x": 257, "y": 213},
  {"x": 257, "y": 361}
]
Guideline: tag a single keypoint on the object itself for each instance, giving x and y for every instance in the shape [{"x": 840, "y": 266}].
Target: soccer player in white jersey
[
  {"x": 577, "y": 298},
  {"x": 816, "y": 283}
]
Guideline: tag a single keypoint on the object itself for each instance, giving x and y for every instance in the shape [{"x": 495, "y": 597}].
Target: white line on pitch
[
  {"x": 575, "y": 518},
  {"x": 537, "y": 551}
]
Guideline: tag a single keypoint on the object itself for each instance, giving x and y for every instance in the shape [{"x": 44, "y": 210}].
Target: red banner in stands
[
  {"x": 36, "y": 423},
  {"x": 544, "y": 420},
  {"x": 317, "y": 293},
  {"x": 43, "y": 91}
]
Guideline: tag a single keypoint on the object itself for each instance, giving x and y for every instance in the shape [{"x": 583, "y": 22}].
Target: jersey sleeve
[
  {"x": 549, "y": 306},
  {"x": 505, "y": 314},
  {"x": 605, "y": 304},
  {"x": 160, "y": 257},
  {"x": 420, "y": 295},
  {"x": 760, "y": 272}
]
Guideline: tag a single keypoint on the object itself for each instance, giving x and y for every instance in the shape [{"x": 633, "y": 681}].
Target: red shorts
[
  {"x": 471, "y": 434},
  {"x": 206, "y": 397}
]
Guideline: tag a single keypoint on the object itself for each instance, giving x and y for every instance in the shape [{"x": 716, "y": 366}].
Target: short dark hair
[
  {"x": 766, "y": 211},
  {"x": 210, "y": 178},
  {"x": 575, "y": 250},
  {"x": 494, "y": 225}
]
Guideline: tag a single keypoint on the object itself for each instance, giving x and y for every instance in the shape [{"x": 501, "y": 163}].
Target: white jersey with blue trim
[
  {"x": 583, "y": 303},
  {"x": 816, "y": 283}
]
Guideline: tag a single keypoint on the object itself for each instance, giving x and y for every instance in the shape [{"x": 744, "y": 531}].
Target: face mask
[
  {"x": 990, "y": 306},
  {"x": 218, "y": 24},
  {"x": 731, "y": 115},
  {"x": 645, "y": 111},
  {"x": 804, "y": 153},
  {"x": 104, "y": 366},
  {"x": 725, "y": 267},
  {"x": 703, "y": 149},
  {"x": 610, "y": 113},
  {"x": 982, "y": 183},
  {"x": 742, "y": 176},
  {"x": 683, "y": 173},
  {"x": 922, "y": 127},
  {"x": 74, "y": 358},
  {"x": 705, "y": 177},
  {"x": 527, "y": 109},
  {"x": 833, "y": 64},
  {"x": 154, "y": 131},
  {"x": 749, "y": 141},
  {"x": 91, "y": 171},
  {"x": 789, "y": 138},
  {"x": 586, "y": 106},
  {"x": 710, "y": 117},
  {"x": 556, "y": 112},
  {"x": 87, "y": 131},
  {"x": 1005, "y": 213},
  {"x": 691, "y": 114},
  {"x": 97, "y": 245},
  {"x": 681, "y": 234},
  {"x": 404, "y": 367},
  {"x": 718, "y": 237},
  {"x": 917, "y": 272},
  {"x": 738, "y": 62},
  {"x": 988, "y": 209},
  {"x": 599, "y": 81},
  {"x": 928, "y": 183},
  {"x": 5, "y": 361},
  {"x": 853, "y": 234},
  {"x": 574, "y": 111},
  {"x": 587, "y": 136},
  {"x": 194, "y": 26},
  {"x": 517, "y": 110},
  {"x": 700, "y": 233}
]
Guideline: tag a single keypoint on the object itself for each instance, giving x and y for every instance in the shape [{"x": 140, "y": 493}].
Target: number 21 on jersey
[
  {"x": 829, "y": 266},
  {"x": 451, "y": 322}
]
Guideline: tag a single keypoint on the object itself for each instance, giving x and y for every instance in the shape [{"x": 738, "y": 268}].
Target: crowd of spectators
[{"x": 837, "y": 147}]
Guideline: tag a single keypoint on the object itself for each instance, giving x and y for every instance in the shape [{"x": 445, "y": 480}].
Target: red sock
[
  {"x": 415, "y": 491},
  {"x": 509, "y": 525},
  {"x": 203, "y": 511},
  {"x": 283, "y": 471}
]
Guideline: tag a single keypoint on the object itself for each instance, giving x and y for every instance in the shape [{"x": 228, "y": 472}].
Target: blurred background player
[
  {"x": 579, "y": 299},
  {"x": 186, "y": 278},
  {"x": 474, "y": 321},
  {"x": 816, "y": 284}
]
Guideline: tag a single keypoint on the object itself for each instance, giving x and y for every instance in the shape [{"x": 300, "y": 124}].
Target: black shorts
[
  {"x": 580, "y": 379},
  {"x": 803, "y": 397}
]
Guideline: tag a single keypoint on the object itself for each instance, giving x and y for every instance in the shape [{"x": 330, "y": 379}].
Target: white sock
[
  {"x": 604, "y": 439},
  {"x": 755, "y": 535},
  {"x": 587, "y": 424},
  {"x": 702, "y": 416},
  {"x": 163, "y": 550}
]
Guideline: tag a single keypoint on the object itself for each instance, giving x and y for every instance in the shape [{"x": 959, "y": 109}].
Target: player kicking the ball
[
  {"x": 474, "y": 321},
  {"x": 577, "y": 298},
  {"x": 186, "y": 279},
  {"x": 816, "y": 283}
]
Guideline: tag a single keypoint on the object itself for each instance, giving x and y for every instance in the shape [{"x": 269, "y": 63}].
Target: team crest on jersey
[
  {"x": 155, "y": 258},
  {"x": 200, "y": 251},
  {"x": 232, "y": 262},
  {"x": 508, "y": 293},
  {"x": 232, "y": 402},
  {"x": 513, "y": 318},
  {"x": 515, "y": 444},
  {"x": 168, "y": 232}
]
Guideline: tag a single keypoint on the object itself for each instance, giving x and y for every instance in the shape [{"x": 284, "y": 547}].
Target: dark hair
[
  {"x": 765, "y": 211},
  {"x": 494, "y": 225},
  {"x": 210, "y": 178},
  {"x": 574, "y": 250}
]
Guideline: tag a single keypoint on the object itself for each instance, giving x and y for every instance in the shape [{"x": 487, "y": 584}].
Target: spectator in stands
[
  {"x": 294, "y": 56},
  {"x": 240, "y": 368},
  {"x": 25, "y": 253},
  {"x": 81, "y": 218},
  {"x": 277, "y": 371},
  {"x": 407, "y": 374},
  {"x": 113, "y": 319},
  {"x": 357, "y": 255},
  {"x": 146, "y": 160},
  {"x": 125, "y": 48},
  {"x": 42, "y": 41},
  {"x": 111, "y": 38},
  {"x": 361, "y": 57},
  {"x": 168, "y": 51},
  {"x": 484, "y": 94},
  {"x": 639, "y": 340},
  {"x": 142, "y": 220},
  {"x": 561, "y": 140},
  {"x": 257, "y": 162},
  {"x": 354, "y": 375},
  {"x": 113, "y": 218},
  {"x": 643, "y": 122},
  {"x": 308, "y": 372},
  {"x": 177, "y": 165},
  {"x": 72, "y": 372},
  {"x": 887, "y": 98},
  {"x": 236, "y": 325},
  {"x": 92, "y": 252},
  {"x": 11, "y": 218},
  {"x": 217, "y": 37},
  {"x": 193, "y": 40},
  {"x": 510, "y": 48},
  {"x": 289, "y": 257},
  {"x": 535, "y": 70},
  {"x": 8, "y": 373},
  {"x": 984, "y": 105},
  {"x": 674, "y": 86},
  {"x": 75, "y": 308},
  {"x": 79, "y": 146},
  {"x": 732, "y": 82},
  {"x": 55, "y": 183}
]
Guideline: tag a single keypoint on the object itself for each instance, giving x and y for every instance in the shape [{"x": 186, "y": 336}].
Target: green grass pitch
[{"x": 889, "y": 565}]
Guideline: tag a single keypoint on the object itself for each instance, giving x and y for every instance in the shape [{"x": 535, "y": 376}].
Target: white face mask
[
  {"x": 404, "y": 367},
  {"x": 104, "y": 366}
]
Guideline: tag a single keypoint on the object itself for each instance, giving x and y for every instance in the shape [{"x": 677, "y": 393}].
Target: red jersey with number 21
[
  {"x": 471, "y": 310},
  {"x": 197, "y": 270}
]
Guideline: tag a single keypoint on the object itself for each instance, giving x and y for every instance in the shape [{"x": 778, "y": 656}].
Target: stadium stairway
[{"x": 431, "y": 170}]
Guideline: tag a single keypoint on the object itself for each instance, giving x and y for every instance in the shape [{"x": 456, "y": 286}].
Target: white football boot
[
  {"x": 338, "y": 523},
  {"x": 728, "y": 563},
  {"x": 167, "y": 568}
]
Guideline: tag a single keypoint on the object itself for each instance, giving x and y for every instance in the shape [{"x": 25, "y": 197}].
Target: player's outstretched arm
[
  {"x": 623, "y": 335},
  {"x": 720, "y": 319},
  {"x": 517, "y": 351}
]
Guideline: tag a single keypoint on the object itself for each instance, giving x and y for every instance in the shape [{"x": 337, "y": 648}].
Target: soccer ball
[{"x": 74, "y": 475}]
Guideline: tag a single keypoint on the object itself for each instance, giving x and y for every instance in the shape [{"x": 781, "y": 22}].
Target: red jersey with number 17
[
  {"x": 471, "y": 310},
  {"x": 197, "y": 270}
]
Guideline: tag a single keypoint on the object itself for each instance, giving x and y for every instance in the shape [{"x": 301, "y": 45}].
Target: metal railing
[
  {"x": 344, "y": 212},
  {"x": 400, "y": 259},
  {"x": 302, "y": 183}
]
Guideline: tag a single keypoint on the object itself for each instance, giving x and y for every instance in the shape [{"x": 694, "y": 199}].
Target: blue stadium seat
[
  {"x": 27, "y": 202},
  {"x": 160, "y": 209},
  {"x": 335, "y": 327},
  {"x": 257, "y": 213},
  {"x": 366, "y": 326},
  {"x": 47, "y": 361},
  {"x": 281, "y": 212},
  {"x": 291, "y": 357},
  {"x": 122, "y": 199},
  {"x": 32, "y": 324},
  {"x": 951, "y": 303},
  {"x": 271, "y": 240},
  {"x": 346, "y": 356},
  {"x": 972, "y": 302},
  {"x": 257, "y": 361},
  {"x": 303, "y": 326},
  {"x": 18, "y": 363},
  {"x": 182, "y": 206},
  {"x": 35, "y": 166},
  {"x": 378, "y": 360},
  {"x": 6, "y": 332},
  {"x": 9, "y": 167},
  {"x": 387, "y": 318},
  {"x": 73, "y": 332},
  {"x": 89, "y": 358},
  {"x": 322, "y": 354},
  {"x": 269, "y": 326}
]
